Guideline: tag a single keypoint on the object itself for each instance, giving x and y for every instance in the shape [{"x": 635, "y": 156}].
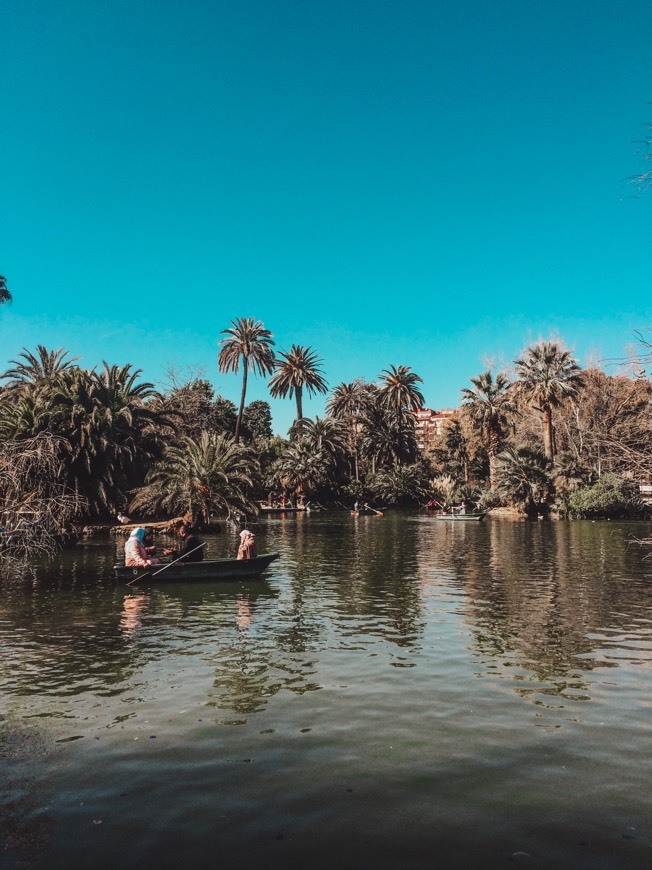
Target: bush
[{"x": 610, "y": 497}]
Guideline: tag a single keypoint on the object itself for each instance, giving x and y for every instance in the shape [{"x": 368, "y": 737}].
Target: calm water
[{"x": 398, "y": 691}]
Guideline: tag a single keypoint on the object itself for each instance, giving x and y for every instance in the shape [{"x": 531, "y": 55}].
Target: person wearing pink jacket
[{"x": 135, "y": 553}]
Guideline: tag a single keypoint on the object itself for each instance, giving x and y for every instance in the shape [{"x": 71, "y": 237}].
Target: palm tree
[
  {"x": 398, "y": 393},
  {"x": 524, "y": 478},
  {"x": 387, "y": 439},
  {"x": 43, "y": 365},
  {"x": 5, "y": 295},
  {"x": 299, "y": 468},
  {"x": 489, "y": 403},
  {"x": 548, "y": 375},
  {"x": 204, "y": 476},
  {"x": 112, "y": 430},
  {"x": 406, "y": 484},
  {"x": 457, "y": 446},
  {"x": 297, "y": 370},
  {"x": 348, "y": 403},
  {"x": 327, "y": 437},
  {"x": 246, "y": 339}
]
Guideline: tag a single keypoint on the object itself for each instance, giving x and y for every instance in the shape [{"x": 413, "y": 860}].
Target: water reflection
[
  {"x": 545, "y": 604},
  {"x": 415, "y": 661},
  {"x": 544, "y": 601}
]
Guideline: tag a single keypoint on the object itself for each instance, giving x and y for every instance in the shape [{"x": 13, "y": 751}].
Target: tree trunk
[
  {"x": 299, "y": 397},
  {"x": 547, "y": 433},
  {"x": 238, "y": 421},
  {"x": 492, "y": 450}
]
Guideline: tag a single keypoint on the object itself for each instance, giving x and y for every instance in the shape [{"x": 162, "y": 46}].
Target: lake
[{"x": 397, "y": 691}]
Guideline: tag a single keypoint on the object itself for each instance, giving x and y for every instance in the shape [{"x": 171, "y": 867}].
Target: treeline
[{"x": 83, "y": 443}]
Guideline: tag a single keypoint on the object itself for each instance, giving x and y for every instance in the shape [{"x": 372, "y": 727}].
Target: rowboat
[
  {"x": 461, "y": 517},
  {"x": 209, "y": 569},
  {"x": 266, "y": 509}
]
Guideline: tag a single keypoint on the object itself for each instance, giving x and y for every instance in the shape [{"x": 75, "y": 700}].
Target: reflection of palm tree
[
  {"x": 249, "y": 341},
  {"x": 489, "y": 402},
  {"x": 297, "y": 370},
  {"x": 548, "y": 375}
]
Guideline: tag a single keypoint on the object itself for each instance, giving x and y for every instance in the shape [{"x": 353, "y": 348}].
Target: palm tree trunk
[
  {"x": 492, "y": 450},
  {"x": 238, "y": 421},
  {"x": 547, "y": 433},
  {"x": 299, "y": 397}
]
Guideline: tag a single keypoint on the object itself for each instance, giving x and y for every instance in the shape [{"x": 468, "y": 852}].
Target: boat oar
[
  {"x": 378, "y": 513},
  {"x": 178, "y": 559}
]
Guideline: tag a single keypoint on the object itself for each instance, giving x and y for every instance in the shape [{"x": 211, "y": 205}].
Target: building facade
[{"x": 430, "y": 425}]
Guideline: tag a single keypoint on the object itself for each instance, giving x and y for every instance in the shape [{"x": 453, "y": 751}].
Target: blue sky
[{"x": 420, "y": 183}]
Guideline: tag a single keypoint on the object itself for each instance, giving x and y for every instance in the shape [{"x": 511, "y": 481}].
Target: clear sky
[{"x": 411, "y": 182}]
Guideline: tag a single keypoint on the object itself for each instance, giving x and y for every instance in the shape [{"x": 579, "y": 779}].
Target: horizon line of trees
[{"x": 546, "y": 436}]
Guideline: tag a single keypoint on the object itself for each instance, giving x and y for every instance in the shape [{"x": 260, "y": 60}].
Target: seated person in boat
[
  {"x": 150, "y": 546},
  {"x": 247, "y": 548},
  {"x": 190, "y": 549},
  {"x": 136, "y": 554}
]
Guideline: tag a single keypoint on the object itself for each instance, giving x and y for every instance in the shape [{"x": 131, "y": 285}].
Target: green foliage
[
  {"x": 609, "y": 497},
  {"x": 108, "y": 426},
  {"x": 246, "y": 341},
  {"x": 201, "y": 478},
  {"x": 524, "y": 478},
  {"x": 402, "y": 485},
  {"x": 257, "y": 420},
  {"x": 300, "y": 468},
  {"x": 297, "y": 370}
]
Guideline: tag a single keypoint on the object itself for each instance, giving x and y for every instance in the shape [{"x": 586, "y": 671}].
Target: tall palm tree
[
  {"x": 489, "y": 403},
  {"x": 398, "y": 393},
  {"x": 247, "y": 340},
  {"x": 548, "y": 375},
  {"x": 298, "y": 369}
]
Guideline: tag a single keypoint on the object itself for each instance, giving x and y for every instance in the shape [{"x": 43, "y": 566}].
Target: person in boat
[
  {"x": 190, "y": 549},
  {"x": 247, "y": 548},
  {"x": 136, "y": 554},
  {"x": 148, "y": 541}
]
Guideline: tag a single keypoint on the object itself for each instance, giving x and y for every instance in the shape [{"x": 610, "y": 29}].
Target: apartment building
[{"x": 430, "y": 424}]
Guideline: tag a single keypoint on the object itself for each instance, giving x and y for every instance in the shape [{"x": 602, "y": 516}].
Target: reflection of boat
[
  {"x": 266, "y": 509},
  {"x": 210, "y": 569},
  {"x": 461, "y": 517}
]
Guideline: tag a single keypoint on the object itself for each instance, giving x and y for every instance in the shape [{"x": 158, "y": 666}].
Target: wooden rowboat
[
  {"x": 461, "y": 517},
  {"x": 209, "y": 569}
]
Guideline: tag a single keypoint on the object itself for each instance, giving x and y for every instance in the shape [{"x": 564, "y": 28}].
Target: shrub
[{"x": 610, "y": 497}]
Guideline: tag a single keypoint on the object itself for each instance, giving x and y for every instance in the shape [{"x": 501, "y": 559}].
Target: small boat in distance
[
  {"x": 461, "y": 517},
  {"x": 209, "y": 569}
]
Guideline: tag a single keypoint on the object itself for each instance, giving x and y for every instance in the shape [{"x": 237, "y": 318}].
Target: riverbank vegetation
[{"x": 541, "y": 437}]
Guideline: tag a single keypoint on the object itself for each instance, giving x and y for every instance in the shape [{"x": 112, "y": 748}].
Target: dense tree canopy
[{"x": 107, "y": 439}]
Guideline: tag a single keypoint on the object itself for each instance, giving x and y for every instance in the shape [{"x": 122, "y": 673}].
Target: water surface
[{"x": 397, "y": 691}]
